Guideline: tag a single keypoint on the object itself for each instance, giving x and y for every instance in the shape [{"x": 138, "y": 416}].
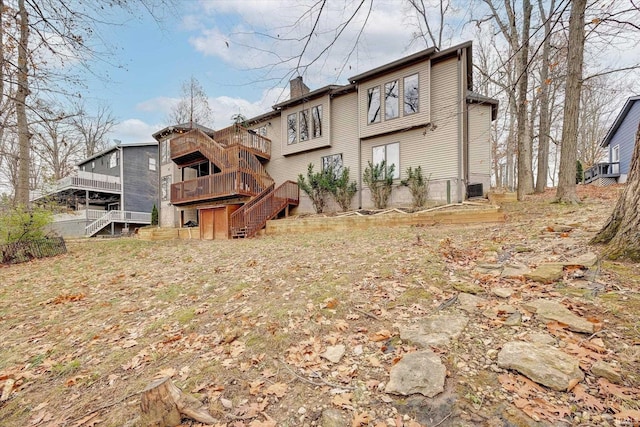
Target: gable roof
[
  {"x": 618, "y": 121},
  {"x": 181, "y": 128}
]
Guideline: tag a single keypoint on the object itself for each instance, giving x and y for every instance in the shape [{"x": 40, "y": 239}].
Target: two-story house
[
  {"x": 619, "y": 143},
  {"x": 417, "y": 111},
  {"x": 110, "y": 193}
]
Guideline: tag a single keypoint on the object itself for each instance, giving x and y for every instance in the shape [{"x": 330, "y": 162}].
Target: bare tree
[
  {"x": 56, "y": 143},
  {"x": 24, "y": 136},
  {"x": 430, "y": 32},
  {"x": 193, "y": 107},
  {"x": 595, "y": 112},
  {"x": 545, "y": 119},
  {"x": 92, "y": 128},
  {"x": 64, "y": 30},
  {"x": 566, "y": 191}
]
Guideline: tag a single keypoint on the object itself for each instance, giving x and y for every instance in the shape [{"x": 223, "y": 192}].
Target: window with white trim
[{"x": 114, "y": 159}]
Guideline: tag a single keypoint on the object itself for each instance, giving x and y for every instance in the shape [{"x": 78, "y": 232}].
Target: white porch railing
[{"x": 115, "y": 216}]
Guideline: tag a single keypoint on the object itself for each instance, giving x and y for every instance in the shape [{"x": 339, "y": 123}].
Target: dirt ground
[{"x": 241, "y": 325}]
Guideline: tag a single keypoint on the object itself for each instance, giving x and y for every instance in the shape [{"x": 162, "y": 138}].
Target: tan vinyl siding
[
  {"x": 342, "y": 137},
  {"x": 480, "y": 144},
  {"x": 403, "y": 121},
  {"x": 311, "y": 143}
]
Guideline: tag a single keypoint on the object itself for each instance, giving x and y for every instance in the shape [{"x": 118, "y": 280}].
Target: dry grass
[{"x": 83, "y": 334}]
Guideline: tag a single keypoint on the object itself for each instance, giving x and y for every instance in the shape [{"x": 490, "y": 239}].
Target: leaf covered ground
[{"x": 242, "y": 325}]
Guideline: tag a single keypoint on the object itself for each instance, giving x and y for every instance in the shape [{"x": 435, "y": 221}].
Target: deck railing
[
  {"x": 602, "y": 170},
  {"x": 117, "y": 216},
  {"x": 248, "y": 220},
  {"x": 84, "y": 181},
  {"x": 238, "y": 135}
]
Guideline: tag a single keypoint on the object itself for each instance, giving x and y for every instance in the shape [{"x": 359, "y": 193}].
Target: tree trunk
[
  {"x": 525, "y": 175},
  {"x": 22, "y": 187},
  {"x": 622, "y": 231},
  {"x": 566, "y": 192},
  {"x": 163, "y": 405},
  {"x": 545, "y": 119}
]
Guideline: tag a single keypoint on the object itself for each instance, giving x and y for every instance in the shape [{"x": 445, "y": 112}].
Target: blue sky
[{"x": 233, "y": 48}]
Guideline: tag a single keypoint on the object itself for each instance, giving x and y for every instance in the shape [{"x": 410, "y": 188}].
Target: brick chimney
[{"x": 297, "y": 88}]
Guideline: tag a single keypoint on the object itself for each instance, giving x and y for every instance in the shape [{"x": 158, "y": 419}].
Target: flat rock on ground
[
  {"x": 541, "y": 363},
  {"x": 548, "y": 310},
  {"x": 420, "y": 372},
  {"x": 546, "y": 273},
  {"x": 470, "y": 302},
  {"x": 434, "y": 330}
]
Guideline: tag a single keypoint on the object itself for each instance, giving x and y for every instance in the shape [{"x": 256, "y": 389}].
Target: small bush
[
  {"x": 154, "y": 215},
  {"x": 21, "y": 223},
  {"x": 579, "y": 172},
  {"x": 379, "y": 179},
  {"x": 343, "y": 190},
  {"x": 317, "y": 185},
  {"x": 418, "y": 186}
]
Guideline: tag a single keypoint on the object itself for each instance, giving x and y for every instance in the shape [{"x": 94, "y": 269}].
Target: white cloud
[{"x": 134, "y": 130}]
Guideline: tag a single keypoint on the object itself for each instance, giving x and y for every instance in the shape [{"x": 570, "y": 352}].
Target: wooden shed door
[
  {"x": 207, "y": 224},
  {"x": 220, "y": 228}
]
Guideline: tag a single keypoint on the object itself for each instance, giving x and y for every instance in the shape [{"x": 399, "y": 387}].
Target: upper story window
[
  {"x": 262, "y": 130},
  {"x": 373, "y": 105},
  {"x": 152, "y": 163},
  {"x": 292, "y": 128},
  {"x": 411, "y": 94},
  {"x": 391, "y": 100},
  {"x": 316, "y": 117},
  {"x": 114, "y": 159},
  {"x": 165, "y": 153},
  {"x": 304, "y": 125}
]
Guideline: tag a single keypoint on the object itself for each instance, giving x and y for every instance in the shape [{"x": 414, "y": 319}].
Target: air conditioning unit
[{"x": 474, "y": 190}]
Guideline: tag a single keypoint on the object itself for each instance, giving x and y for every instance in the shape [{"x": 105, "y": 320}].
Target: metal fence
[{"x": 14, "y": 253}]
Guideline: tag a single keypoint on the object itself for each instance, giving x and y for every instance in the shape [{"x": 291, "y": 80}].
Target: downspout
[
  {"x": 460, "y": 122},
  {"x": 359, "y": 149},
  {"x": 121, "y": 178}
]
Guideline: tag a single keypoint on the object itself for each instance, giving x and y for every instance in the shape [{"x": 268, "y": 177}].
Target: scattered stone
[
  {"x": 541, "y": 363},
  {"x": 588, "y": 260},
  {"x": 502, "y": 292},
  {"x": 469, "y": 288},
  {"x": 334, "y": 353},
  {"x": 435, "y": 330},
  {"x": 605, "y": 370},
  {"x": 541, "y": 338},
  {"x": 499, "y": 311},
  {"x": 333, "y": 418},
  {"x": 514, "y": 319},
  {"x": 490, "y": 269},
  {"x": 546, "y": 273},
  {"x": 559, "y": 228},
  {"x": 514, "y": 270},
  {"x": 548, "y": 310},
  {"x": 420, "y": 372},
  {"x": 470, "y": 303}
]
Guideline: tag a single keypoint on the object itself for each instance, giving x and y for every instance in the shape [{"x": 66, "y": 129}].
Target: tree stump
[{"x": 163, "y": 405}]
